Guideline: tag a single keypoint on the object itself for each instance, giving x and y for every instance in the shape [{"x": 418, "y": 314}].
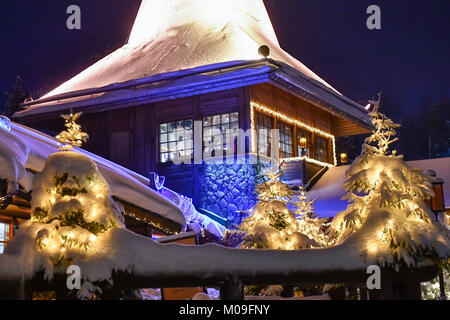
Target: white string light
[{"x": 254, "y": 105}]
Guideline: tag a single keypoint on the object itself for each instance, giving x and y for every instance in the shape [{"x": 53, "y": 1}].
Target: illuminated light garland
[
  {"x": 254, "y": 105},
  {"x": 149, "y": 223},
  {"x": 310, "y": 160}
]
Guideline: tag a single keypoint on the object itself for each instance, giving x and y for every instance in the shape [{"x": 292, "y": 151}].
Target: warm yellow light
[
  {"x": 52, "y": 200},
  {"x": 254, "y": 105},
  {"x": 373, "y": 248},
  {"x": 63, "y": 249},
  {"x": 343, "y": 157},
  {"x": 71, "y": 235},
  {"x": 92, "y": 237},
  {"x": 303, "y": 142}
]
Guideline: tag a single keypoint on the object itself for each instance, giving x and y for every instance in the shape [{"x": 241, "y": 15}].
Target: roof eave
[{"x": 299, "y": 85}]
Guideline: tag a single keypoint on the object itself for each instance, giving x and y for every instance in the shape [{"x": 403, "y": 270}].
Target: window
[
  {"x": 176, "y": 139},
  {"x": 227, "y": 125},
  {"x": 264, "y": 127},
  {"x": 304, "y": 134},
  {"x": 321, "y": 149},
  {"x": 5, "y": 235},
  {"x": 286, "y": 144}
]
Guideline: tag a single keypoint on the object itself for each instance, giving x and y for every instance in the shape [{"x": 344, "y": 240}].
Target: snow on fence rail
[{"x": 147, "y": 264}]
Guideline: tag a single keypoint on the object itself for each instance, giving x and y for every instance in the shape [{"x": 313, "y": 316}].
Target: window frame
[
  {"x": 10, "y": 233},
  {"x": 283, "y": 143},
  {"x": 220, "y": 126},
  {"x": 263, "y": 133},
  {"x": 168, "y": 142},
  {"x": 310, "y": 143},
  {"x": 317, "y": 147}
]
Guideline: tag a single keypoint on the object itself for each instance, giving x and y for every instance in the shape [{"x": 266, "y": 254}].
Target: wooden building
[
  {"x": 145, "y": 104},
  {"x": 147, "y": 211}
]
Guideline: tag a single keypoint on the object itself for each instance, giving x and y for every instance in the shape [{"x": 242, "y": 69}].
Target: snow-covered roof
[
  {"x": 124, "y": 184},
  {"x": 328, "y": 190},
  {"x": 200, "y": 80},
  {"x": 172, "y": 35},
  {"x": 179, "y": 48}
]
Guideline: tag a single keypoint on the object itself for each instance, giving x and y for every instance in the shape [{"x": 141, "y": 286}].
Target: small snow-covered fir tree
[
  {"x": 308, "y": 222},
  {"x": 387, "y": 216},
  {"x": 271, "y": 225},
  {"x": 73, "y": 204},
  {"x": 73, "y": 136}
]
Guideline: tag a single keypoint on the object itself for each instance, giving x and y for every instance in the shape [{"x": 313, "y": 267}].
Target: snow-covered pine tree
[
  {"x": 73, "y": 137},
  {"x": 271, "y": 225},
  {"x": 73, "y": 206},
  {"x": 387, "y": 217},
  {"x": 308, "y": 222}
]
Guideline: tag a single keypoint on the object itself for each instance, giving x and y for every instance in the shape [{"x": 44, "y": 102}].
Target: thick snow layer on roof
[
  {"x": 124, "y": 184},
  {"x": 171, "y": 35},
  {"x": 13, "y": 156},
  {"x": 328, "y": 190}
]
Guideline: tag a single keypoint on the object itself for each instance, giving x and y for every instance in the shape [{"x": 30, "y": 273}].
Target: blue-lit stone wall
[{"x": 229, "y": 188}]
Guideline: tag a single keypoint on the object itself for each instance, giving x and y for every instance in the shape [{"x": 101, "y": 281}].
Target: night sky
[{"x": 408, "y": 59}]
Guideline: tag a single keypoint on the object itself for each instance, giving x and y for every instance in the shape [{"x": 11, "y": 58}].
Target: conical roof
[{"x": 172, "y": 35}]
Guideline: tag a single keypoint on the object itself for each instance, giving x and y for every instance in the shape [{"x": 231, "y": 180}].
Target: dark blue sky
[{"x": 408, "y": 59}]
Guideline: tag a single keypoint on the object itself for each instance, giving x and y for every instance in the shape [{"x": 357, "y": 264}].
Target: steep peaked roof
[{"x": 172, "y": 35}]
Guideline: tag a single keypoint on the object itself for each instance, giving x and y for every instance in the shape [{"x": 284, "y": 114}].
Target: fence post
[{"x": 232, "y": 289}]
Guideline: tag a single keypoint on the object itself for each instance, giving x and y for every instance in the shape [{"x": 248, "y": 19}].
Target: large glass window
[
  {"x": 286, "y": 143},
  {"x": 176, "y": 139},
  {"x": 220, "y": 133},
  {"x": 264, "y": 127},
  {"x": 321, "y": 149},
  {"x": 301, "y": 133},
  {"x": 5, "y": 233}
]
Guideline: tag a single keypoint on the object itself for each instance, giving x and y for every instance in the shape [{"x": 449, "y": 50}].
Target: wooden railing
[{"x": 404, "y": 284}]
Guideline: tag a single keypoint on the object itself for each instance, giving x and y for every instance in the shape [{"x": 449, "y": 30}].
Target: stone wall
[{"x": 229, "y": 188}]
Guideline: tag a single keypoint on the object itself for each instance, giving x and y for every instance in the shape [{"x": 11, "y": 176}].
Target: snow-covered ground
[{"x": 328, "y": 191}]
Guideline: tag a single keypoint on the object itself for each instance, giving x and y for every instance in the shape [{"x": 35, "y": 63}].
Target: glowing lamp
[
  {"x": 436, "y": 203},
  {"x": 303, "y": 142},
  {"x": 343, "y": 157}
]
